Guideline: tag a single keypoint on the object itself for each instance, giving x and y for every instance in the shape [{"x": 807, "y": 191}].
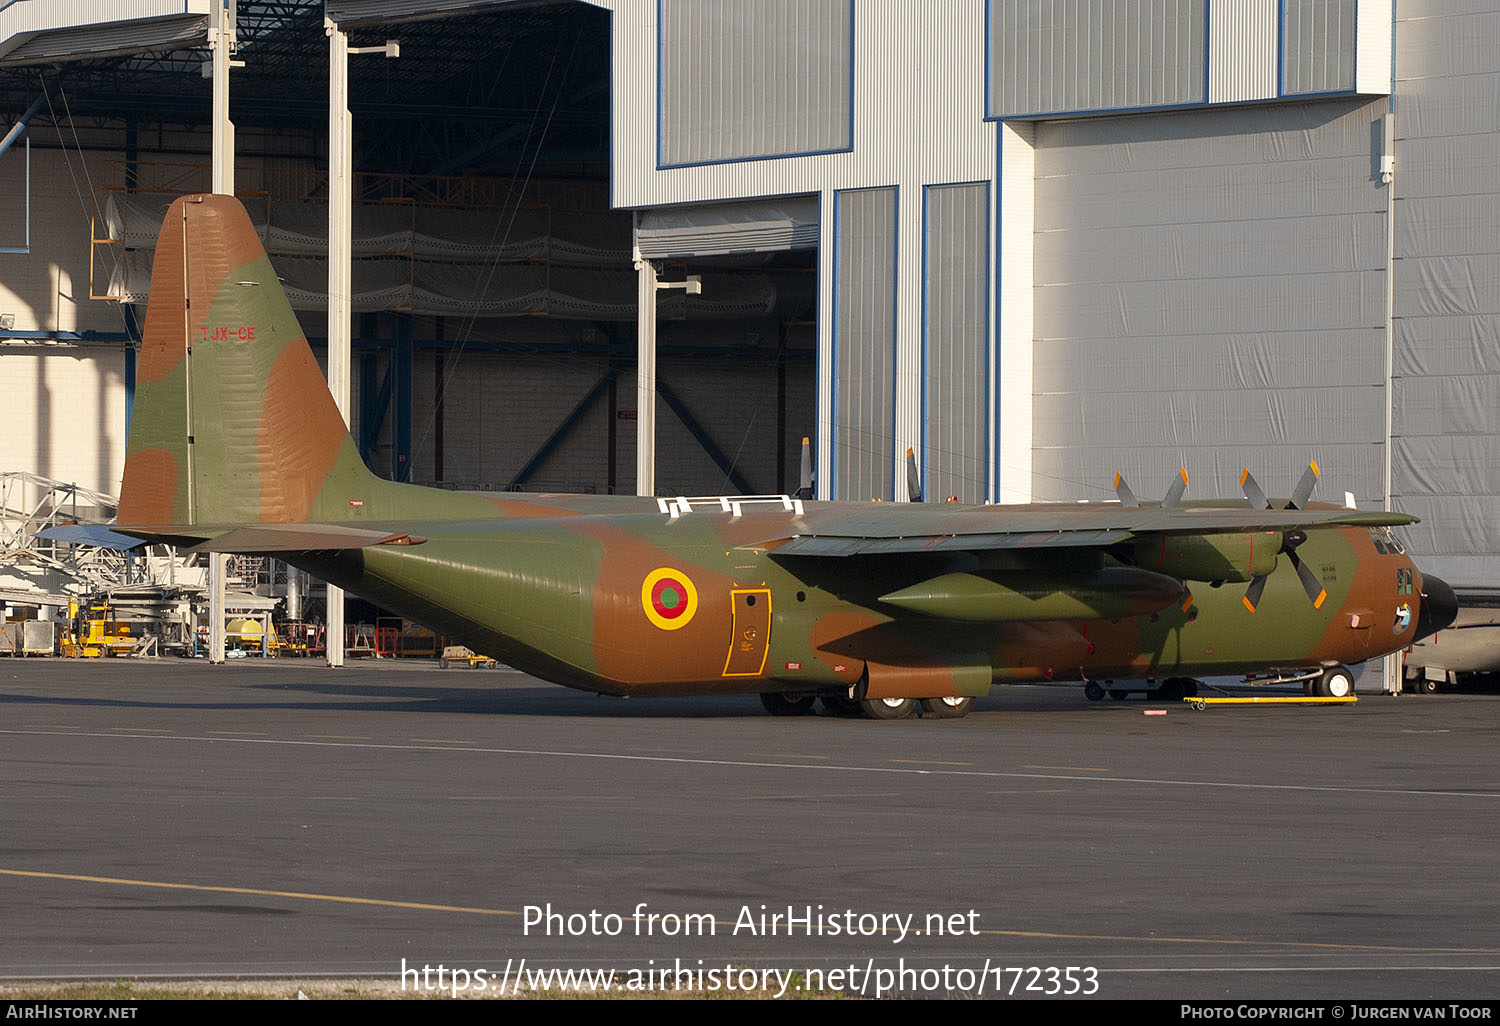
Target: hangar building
[{"x": 1038, "y": 241}]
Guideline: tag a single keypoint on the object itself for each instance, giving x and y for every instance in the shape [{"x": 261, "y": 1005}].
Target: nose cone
[{"x": 1439, "y": 607}]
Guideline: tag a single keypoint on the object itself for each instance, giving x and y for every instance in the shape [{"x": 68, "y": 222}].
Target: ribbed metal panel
[
  {"x": 352, "y": 12},
  {"x": 864, "y": 343},
  {"x": 1241, "y": 50},
  {"x": 709, "y": 229},
  {"x": 1318, "y": 46},
  {"x": 956, "y": 350},
  {"x": 754, "y": 78},
  {"x": 33, "y": 31},
  {"x": 1063, "y": 56}
]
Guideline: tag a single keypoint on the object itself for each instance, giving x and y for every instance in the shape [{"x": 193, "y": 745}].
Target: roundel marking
[{"x": 669, "y": 598}]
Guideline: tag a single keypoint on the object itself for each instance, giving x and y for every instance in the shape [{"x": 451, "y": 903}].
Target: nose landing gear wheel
[{"x": 1336, "y": 682}]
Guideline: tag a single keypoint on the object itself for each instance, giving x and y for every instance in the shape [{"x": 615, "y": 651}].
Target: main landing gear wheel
[
  {"x": 784, "y": 703},
  {"x": 946, "y": 708},
  {"x": 841, "y": 706},
  {"x": 1093, "y": 691},
  {"x": 1336, "y": 682},
  {"x": 1424, "y": 686},
  {"x": 888, "y": 708}
]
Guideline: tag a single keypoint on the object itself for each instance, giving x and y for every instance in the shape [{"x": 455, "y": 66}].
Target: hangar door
[
  {"x": 736, "y": 365},
  {"x": 1209, "y": 294}
]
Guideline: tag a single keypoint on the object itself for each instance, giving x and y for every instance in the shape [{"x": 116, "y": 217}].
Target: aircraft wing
[{"x": 908, "y": 528}]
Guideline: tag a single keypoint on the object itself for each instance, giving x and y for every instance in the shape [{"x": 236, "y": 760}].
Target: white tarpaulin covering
[{"x": 445, "y": 261}]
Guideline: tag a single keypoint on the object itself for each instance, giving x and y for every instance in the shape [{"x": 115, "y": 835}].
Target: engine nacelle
[{"x": 1211, "y": 557}]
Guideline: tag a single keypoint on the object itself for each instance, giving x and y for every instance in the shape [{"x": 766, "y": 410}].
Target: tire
[
  {"x": 1424, "y": 686},
  {"x": 888, "y": 708},
  {"x": 1093, "y": 691},
  {"x": 841, "y": 706},
  {"x": 1119, "y": 694},
  {"x": 946, "y": 708},
  {"x": 1336, "y": 682},
  {"x": 783, "y": 703}
]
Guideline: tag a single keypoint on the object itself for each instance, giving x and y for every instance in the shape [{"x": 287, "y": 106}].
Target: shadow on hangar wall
[{"x": 515, "y": 93}]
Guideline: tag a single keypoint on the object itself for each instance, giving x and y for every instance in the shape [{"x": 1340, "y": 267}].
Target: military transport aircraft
[{"x": 237, "y": 446}]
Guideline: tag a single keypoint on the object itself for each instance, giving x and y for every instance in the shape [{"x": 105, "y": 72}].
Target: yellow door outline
[{"x": 750, "y": 631}]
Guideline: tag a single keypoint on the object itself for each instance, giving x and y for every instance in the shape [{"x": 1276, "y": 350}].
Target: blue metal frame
[
  {"x": 895, "y": 306},
  {"x": 661, "y": 166},
  {"x": 701, "y": 436},
  {"x": 990, "y": 115},
  {"x": 563, "y": 430},
  {"x": 987, "y": 333},
  {"x": 1353, "y": 90}
]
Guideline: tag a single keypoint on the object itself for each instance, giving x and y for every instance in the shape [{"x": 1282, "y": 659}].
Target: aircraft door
[{"x": 750, "y": 636}]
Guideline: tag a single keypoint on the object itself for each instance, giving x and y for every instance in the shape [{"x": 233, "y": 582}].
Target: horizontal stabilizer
[
  {"x": 97, "y": 535},
  {"x": 273, "y": 537}
]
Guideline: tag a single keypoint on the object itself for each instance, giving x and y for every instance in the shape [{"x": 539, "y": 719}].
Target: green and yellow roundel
[{"x": 669, "y": 598}]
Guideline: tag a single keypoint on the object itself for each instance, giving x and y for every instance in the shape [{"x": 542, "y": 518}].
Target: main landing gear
[{"x": 781, "y": 703}]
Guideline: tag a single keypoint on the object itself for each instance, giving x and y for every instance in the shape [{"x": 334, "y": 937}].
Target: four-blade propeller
[{"x": 1316, "y": 593}]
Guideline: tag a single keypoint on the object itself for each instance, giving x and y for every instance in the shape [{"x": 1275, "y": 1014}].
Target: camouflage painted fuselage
[
  {"x": 558, "y": 588},
  {"x": 236, "y": 445}
]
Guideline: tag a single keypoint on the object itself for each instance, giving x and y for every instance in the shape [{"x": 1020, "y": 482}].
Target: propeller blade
[
  {"x": 1253, "y": 593},
  {"x": 1174, "y": 494},
  {"x": 913, "y": 479},
  {"x": 1305, "y": 486},
  {"x": 805, "y": 489},
  {"x": 1127, "y": 497},
  {"x": 1253, "y": 491},
  {"x": 1310, "y": 582}
]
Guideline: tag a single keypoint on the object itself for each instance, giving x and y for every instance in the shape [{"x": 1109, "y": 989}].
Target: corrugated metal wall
[
  {"x": 1209, "y": 294},
  {"x": 1318, "y": 46},
  {"x": 864, "y": 311},
  {"x": 1447, "y": 389},
  {"x": 1242, "y": 50},
  {"x": 755, "y": 78},
  {"x": 1056, "y": 56},
  {"x": 956, "y": 360}
]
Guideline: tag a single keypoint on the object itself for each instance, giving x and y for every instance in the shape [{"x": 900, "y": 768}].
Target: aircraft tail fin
[{"x": 233, "y": 423}]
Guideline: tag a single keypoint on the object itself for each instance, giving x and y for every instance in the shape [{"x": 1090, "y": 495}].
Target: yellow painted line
[
  {"x": 1039, "y": 790},
  {"x": 425, "y": 907},
  {"x": 340, "y": 737},
  {"x": 239, "y": 733},
  {"x": 930, "y": 762},
  {"x": 1077, "y": 769},
  {"x": 1274, "y": 700},
  {"x": 258, "y": 892},
  {"x": 440, "y": 741},
  {"x": 54, "y": 726}
]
